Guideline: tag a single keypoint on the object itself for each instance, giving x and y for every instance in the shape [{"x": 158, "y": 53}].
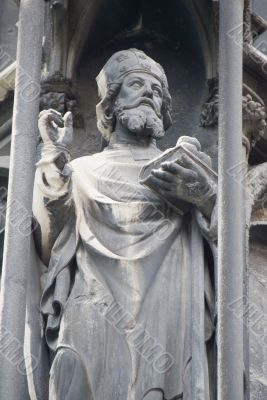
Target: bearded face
[{"x": 138, "y": 105}]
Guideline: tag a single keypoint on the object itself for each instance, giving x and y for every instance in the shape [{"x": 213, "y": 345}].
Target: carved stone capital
[
  {"x": 257, "y": 192},
  {"x": 254, "y": 115},
  {"x": 210, "y": 110},
  {"x": 57, "y": 81},
  {"x": 56, "y": 93}
]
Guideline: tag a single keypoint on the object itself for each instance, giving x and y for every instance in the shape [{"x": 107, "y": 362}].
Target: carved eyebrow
[
  {"x": 157, "y": 86},
  {"x": 136, "y": 78}
]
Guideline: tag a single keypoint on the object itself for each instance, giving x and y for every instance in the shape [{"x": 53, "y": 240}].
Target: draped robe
[{"x": 127, "y": 288}]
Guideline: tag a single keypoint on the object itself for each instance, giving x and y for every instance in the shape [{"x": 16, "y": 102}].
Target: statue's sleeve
[
  {"x": 52, "y": 197},
  {"x": 209, "y": 226}
]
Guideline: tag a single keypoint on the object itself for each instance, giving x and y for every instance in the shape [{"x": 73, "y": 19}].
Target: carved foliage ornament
[
  {"x": 254, "y": 115},
  {"x": 56, "y": 94}
]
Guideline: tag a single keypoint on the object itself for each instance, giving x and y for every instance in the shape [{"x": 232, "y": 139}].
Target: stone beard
[{"x": 140, "y": 118}]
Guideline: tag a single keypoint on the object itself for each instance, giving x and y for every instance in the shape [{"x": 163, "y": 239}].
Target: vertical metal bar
[
  {"x": 16, "y": 260},
  {"x": 231, "y": 204}
]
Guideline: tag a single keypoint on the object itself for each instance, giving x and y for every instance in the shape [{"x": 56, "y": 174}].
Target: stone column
[
  {"x": 231, "y": 205},
  {"x": 18, "y": 230}
]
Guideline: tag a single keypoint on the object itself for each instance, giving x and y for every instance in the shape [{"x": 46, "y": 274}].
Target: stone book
[{"x": 173, "y": 154}]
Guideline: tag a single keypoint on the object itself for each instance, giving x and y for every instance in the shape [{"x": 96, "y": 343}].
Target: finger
[
  {"x": 49, "y": 117},
  {"x": 200, "y": 173},
  {"x": 199, "y": 154},
  {"x": 68, "y": 120},
  {"x": 50, "y": 111},
  {"x": 48, "y": 125},
  {"x": 160, "y": 183},
  {"x": 58, "y": 120},
  {"x": 205, "y": 158},
  {"x": 42, "y": 113},
  {"x": 187, "y": 163},
  {"x": 189, "y": 140},
  {"x": 179, "y": 170},
  {"x": 68, "y": 129},
  {"x": 195, "y": 147},
  {"x": 167, "y": 176},
  {"x": 192, "y": 149}
]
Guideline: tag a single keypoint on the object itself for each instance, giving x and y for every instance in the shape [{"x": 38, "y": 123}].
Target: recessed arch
[{"x": 87, "y": 14}]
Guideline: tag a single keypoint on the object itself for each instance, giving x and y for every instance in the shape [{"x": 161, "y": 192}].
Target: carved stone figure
[{"x": 127, "y": 292}]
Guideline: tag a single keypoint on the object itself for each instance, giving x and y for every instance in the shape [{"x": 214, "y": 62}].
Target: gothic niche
[{"x": 167, "y": 33}]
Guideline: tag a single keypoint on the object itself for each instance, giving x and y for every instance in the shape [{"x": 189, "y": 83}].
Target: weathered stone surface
[
  {"x": 182, "y": 36},
  {"x": 124, "y": 249}
]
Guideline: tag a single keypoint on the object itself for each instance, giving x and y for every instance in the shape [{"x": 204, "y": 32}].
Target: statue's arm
[{"x": 52, "y": 196}]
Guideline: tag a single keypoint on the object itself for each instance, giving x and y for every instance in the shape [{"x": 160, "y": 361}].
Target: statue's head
[{"x": 134, "y": 91}]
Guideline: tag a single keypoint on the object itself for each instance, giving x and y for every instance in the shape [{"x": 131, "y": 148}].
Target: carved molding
[
  {"x": 247, "y": 26},
  {"x": 55, "y": 46},
  {"x": 255, "y": 58},
  {"x": 258, "y": 25},
  {"x": 7, "y": 81}
]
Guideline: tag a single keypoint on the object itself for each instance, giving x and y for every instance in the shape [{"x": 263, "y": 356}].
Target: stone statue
[{"x": 127, "y": 297}]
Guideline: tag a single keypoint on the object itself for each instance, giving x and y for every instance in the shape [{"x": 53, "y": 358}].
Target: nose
[{"x": 148, "y": 92}]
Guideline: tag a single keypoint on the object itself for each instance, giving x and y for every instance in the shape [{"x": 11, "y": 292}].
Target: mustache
[{"x": 141, "y": 101}]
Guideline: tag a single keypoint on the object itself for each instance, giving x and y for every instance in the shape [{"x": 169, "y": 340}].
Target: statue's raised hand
[{"x": 55, "y": 129}]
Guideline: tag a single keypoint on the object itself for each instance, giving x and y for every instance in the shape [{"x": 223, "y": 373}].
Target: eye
[
  {"x": 136, "y": 85},
  {"x": 157, "y": 92}
]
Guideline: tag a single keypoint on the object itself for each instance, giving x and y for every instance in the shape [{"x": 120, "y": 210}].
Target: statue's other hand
[
  {"x": 55, "y": 129},
  {"x": 193, "y": 145},
  {"x": 186, "y": 180}
]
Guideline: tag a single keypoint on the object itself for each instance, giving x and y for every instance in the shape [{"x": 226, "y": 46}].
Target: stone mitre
[{"x": 117, "y": 68}]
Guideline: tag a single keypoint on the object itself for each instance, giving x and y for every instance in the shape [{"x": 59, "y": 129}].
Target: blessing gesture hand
[{"x": 55, "y": 129}]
